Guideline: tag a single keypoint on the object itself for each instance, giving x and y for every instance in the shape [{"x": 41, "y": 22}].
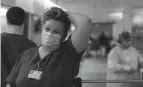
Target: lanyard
[
  {"x": 38, "y": 65},
  {"x": 46, "y": 61}
]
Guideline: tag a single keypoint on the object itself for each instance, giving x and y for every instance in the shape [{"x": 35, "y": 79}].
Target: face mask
[{"x": 50, "y": 39}]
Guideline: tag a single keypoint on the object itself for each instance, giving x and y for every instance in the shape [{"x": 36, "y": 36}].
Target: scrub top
[{"x": 59, "y": 68}]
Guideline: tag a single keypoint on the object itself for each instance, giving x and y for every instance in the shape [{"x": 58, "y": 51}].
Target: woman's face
[
  {"x": 52, "y": 33},
  {"x": 127, "y": 43}
]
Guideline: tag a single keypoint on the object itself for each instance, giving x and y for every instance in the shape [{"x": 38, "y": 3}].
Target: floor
[{"x": 93, "y": 69}]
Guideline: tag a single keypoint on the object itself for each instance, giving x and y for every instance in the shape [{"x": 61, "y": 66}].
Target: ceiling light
[
  {"x": 117, "y": 15},
  {"x": 138, "y": 19}
]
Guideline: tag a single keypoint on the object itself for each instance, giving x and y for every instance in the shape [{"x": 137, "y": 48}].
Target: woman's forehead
[
  {"x": 53, "y": 24},
  {"x": 128, "y": 39}
]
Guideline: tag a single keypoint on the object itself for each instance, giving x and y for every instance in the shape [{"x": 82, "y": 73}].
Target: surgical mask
[{"x": 50, "y": 39}]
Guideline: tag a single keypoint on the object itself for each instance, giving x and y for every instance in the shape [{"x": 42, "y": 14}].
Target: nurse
[{"x": 56, "y": 62}]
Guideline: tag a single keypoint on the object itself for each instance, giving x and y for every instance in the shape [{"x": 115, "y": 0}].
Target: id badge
[{"x": 34, "y": 74}]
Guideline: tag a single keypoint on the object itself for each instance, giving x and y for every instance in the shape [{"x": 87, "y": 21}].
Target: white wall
[{"x": 3, "y": 24}]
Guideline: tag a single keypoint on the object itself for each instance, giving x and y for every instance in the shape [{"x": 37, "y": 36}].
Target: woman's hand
[
  {"x": 133, "y": 70},
  {"x": 129, "y": 69}
]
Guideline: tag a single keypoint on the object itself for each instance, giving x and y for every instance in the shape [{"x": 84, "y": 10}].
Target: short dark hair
[
  {"x": 15, "y": 15},
  {"x": 125, "y": 35},
  {"x": 57, "y": 14}
]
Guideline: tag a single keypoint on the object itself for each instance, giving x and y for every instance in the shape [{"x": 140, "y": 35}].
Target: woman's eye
[
  {"x": 47, "y": 29},
  {"x": 56, "y": 32}
]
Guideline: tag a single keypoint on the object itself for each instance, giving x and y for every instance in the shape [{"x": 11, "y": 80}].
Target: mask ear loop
[{"x": 64, "y": 38}]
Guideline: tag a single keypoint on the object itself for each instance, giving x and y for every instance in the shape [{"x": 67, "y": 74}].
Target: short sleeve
[
  {"x": 72, "y": 51},
  {"x": 73, "y": 55},
  {"x": 14, "y": 72}
]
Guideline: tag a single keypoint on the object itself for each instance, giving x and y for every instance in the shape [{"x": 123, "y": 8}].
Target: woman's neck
[
  {"x": 43, "y": 52},
  {"x": 123, "y": 47}
]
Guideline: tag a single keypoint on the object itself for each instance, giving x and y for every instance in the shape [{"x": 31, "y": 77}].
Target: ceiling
[
  {"x": 98, "y": 10},
  {"x": 104, "y": 3}
]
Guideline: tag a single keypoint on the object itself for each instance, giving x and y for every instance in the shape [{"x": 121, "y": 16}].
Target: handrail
[
  {"x": 78, "y": 81},
  {"x": 112, "y": 81}
]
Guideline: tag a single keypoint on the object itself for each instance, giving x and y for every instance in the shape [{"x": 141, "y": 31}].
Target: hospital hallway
[
  {"x": 93, "y": 69},
  {"x": 102, "y": 25}
]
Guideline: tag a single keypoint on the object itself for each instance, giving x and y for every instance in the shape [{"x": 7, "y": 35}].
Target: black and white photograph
[{"x": 71, "y": 43}]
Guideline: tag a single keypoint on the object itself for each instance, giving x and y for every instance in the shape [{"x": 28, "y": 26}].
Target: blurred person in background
[
  {"x": 124, "y": 62},
  {"x": 37, "y": 32},
  {"x": 91, "y": 49},
  {"x": 103, "y": 43},
  {"x": 56, "y": 62},
  {"x": 13, "y": 42}
]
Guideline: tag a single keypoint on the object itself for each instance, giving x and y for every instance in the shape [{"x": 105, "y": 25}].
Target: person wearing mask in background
[
  {"x": 13, "y": 42},
  {"x": 124, "y": 62},
  {"x": 56, "y": 62}
]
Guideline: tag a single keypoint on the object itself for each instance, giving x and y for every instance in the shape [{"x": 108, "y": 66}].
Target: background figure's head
[
  {"x": 15, "y": 16},
  {"x": 125, "y": 39},
  {"x": 55, "y": 26},
  {"x": 101, "y": 33}
]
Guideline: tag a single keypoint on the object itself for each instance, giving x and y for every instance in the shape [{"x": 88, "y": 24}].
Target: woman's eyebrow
[
  {"x": 58, "y": 29},
  {"x": 48, "y": 26}
]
